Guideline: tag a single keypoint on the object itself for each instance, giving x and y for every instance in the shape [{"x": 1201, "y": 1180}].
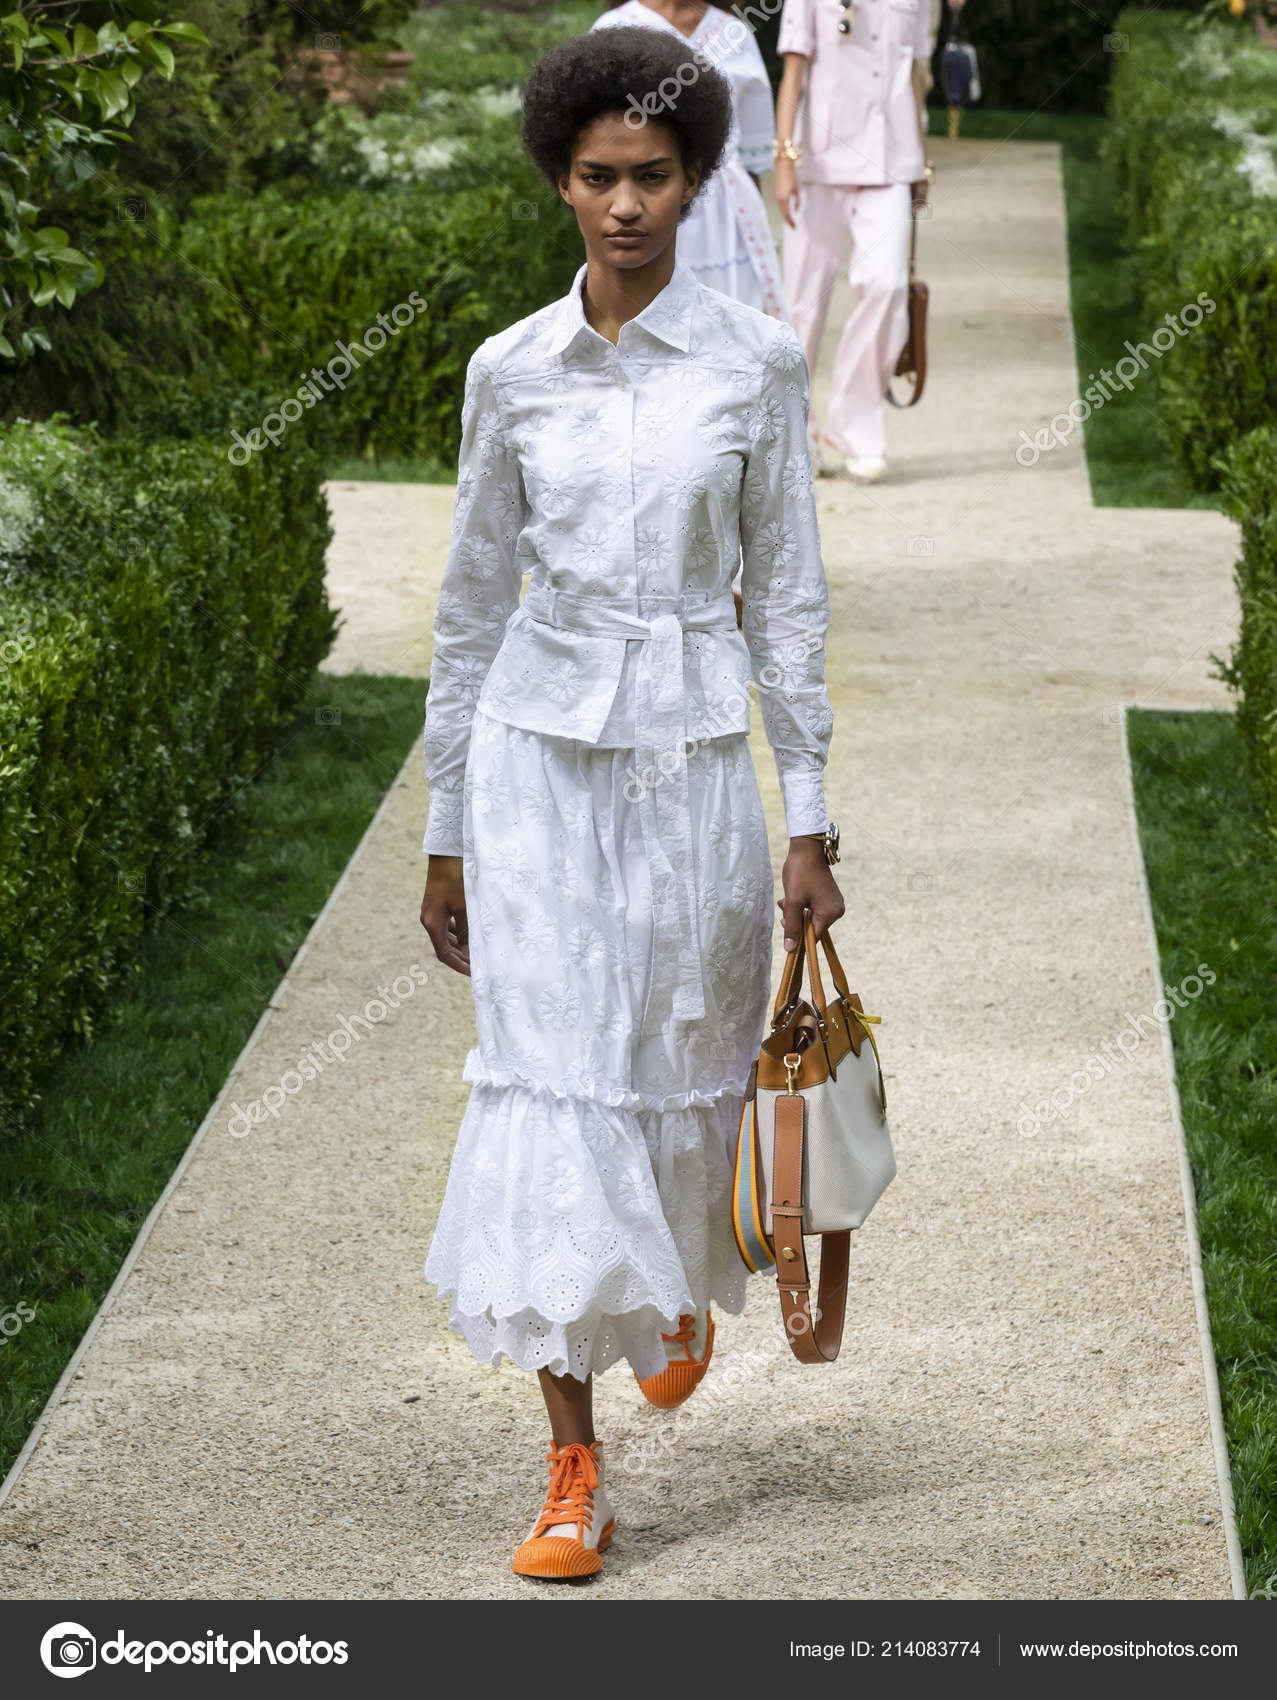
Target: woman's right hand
[
  {"x": 785, "y": 188},
  {"x": 443, "y": 912}
]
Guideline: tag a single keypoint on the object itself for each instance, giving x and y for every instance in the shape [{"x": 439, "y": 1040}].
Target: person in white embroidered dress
[
  {"x": 726, "y": 240},
  {"x": 598, "y": 854}
]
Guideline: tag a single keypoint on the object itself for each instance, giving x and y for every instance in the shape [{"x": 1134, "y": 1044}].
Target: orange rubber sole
[
  {"x": 551, "y": 1558},
  {"x": 677, "y": 1382}
]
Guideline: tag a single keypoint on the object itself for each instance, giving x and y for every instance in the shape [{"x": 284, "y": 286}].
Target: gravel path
[{"x": 271, "y": 1405}]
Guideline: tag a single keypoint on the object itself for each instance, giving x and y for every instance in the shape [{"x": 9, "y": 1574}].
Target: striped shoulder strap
[{"x": 752, "y": 1240}]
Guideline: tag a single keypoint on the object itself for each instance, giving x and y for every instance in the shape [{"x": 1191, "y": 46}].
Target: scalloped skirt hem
[
  {"x": 574, "y": 1233},
  {"x": 586, "y": 1346}
]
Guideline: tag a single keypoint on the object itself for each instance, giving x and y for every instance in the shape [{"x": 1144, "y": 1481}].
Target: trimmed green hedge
[
  {"x": 1191, "y": 146},
  {"x": 161, "y": 612},
  {"x": 1250, "y": 495},
  {"x": 297, "y": 279},
  {"x": 259, "y": 290}
]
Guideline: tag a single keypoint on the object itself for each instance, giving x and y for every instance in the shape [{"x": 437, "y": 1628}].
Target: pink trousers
[{"x": 877, "y": 218}]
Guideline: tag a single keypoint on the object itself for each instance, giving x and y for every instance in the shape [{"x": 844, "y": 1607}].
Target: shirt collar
[{"x": 668, "y": 317}]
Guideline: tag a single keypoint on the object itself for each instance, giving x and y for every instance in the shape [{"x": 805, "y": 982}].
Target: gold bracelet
[{"x": 786, "y": 149}]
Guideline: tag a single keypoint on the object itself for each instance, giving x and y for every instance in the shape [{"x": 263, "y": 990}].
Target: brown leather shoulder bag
[{"x": 913, "y": 356}]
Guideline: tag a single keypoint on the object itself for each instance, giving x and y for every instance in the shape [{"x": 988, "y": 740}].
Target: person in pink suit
[{"x": 850, "y": 145}]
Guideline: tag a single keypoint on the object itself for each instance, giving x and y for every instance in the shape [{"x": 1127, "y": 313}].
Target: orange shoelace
[
  {"x": 683, "y": 1333},
  {"x": 574, "y": 1474}
]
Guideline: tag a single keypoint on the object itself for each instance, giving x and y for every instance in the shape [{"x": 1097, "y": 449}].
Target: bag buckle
[
  {"x": 793, "y": 1059},
  {"x": 783, "y": 1015}
]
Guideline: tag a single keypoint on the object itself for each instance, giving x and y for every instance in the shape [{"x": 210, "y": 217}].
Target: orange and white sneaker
[
  {"x": 576, "y": 1524},
  {"x": 688, "y": 1351}
]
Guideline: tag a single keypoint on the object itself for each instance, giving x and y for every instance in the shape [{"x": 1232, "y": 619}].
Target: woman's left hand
[{"x": 809, "y": 884}]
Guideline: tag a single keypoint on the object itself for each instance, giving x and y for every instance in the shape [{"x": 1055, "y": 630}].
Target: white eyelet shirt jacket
[{"x": 628, "y": 480}]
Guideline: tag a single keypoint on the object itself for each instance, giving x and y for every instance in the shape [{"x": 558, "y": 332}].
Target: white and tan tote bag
[{"x": 814, "y": 1151}]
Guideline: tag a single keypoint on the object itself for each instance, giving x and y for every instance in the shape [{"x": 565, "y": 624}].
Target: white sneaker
[
  {"x": 687, "y": 1354},
  {"x": 866, "y": 468},
  {"x": 577, "y": 1522}
]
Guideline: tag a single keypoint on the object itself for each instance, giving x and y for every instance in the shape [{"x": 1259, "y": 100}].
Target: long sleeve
[
  {"x": 784, "y": 588},
  {"x": 478, "y": 593}
]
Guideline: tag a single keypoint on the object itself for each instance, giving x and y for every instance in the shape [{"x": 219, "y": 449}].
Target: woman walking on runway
[
  {"x": 726, "y": 239},
  {"x": 851, "y": 129},
  {"x": 598, "y": 854}
]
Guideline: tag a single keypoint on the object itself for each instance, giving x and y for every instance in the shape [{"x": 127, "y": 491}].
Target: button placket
[{"x": 628, "y": 401}]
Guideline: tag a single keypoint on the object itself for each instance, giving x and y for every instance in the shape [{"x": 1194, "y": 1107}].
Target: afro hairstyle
[{"x": 624, "y": 70}]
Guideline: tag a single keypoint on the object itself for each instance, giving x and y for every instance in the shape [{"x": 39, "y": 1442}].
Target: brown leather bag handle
[
  {"x": 791, "y": 981},
  {"x": 836, "y": 971},
  {"x": 917, "y": 339},
  {"x": 811, "y": 1342},
  {"x": 851, "y": 1003},
  {"x": 804, "y": 955},
  {"x": 813, "y": 965}
]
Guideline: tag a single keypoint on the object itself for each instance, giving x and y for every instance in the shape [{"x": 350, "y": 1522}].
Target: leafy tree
[{"x": 65, "y": 103}]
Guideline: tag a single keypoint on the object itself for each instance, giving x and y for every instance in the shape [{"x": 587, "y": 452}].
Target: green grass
[
  {"x": 1214, "y": 892},
  {"x": 79, "y": 1176},
  {"x": 391, "y": 469},
  {"x": 1130, "y": 464}
]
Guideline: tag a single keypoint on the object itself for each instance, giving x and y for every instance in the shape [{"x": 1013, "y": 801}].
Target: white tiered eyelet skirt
[{"x": 588, "y": 1201}]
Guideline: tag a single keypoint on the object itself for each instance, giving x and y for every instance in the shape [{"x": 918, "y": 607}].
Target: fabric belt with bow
[{"x": 676, "y": 982}]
